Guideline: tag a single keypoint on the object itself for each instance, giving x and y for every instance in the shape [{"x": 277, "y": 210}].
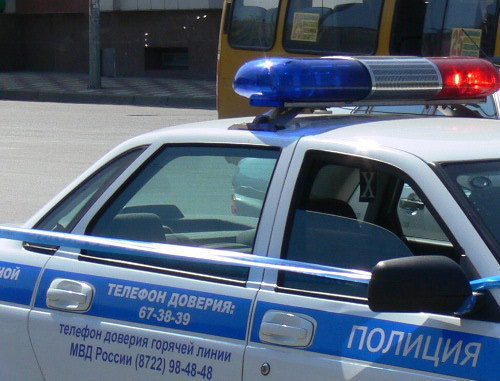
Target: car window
[
  {"x": 250, "y": 185},
  {"x": 477, "y": 187},
  {"x": 416, "y": 219},
  {"x": 348, "y": 214},
  {"x": 390, "y": 109},
  {"x": 66, "y": 214},
  {"x": 485, "y": 109},
  {"x": 192, "y": 196}
]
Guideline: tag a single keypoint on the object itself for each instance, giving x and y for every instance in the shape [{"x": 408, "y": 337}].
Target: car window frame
[
  {"x": 128, "y": 157},
  {"x": 460, "y": 197},
  {"x": 125, "y": 262}
]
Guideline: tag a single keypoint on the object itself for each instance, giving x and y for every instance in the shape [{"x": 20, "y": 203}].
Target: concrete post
[{"x": 94, "y": 45}]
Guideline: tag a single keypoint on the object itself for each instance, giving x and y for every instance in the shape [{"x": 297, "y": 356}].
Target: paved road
[{"x": 46, "y": 145}]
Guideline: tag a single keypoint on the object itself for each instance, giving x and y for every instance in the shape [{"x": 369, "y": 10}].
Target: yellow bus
[{"x": 260, "y": 28}]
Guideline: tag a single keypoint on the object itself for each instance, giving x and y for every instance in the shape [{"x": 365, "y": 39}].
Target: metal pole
[{"x": 94, "y": 45}]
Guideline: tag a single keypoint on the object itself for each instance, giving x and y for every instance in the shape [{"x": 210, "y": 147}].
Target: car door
[
  {"x": 344, "y": 213},
  {"x": 22, "y": 266},
  {"x": 111, "y": 314},
  {"x": 19, "y": 274}
]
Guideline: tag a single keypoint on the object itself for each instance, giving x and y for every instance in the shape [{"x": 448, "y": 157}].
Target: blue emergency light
[{"x": 282, "y": 82}]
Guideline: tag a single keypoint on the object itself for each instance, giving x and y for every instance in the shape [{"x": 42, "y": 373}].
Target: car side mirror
[{"x": 427, "y": 283}]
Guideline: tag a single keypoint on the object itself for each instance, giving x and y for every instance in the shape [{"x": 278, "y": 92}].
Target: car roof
[{"x": 433, "y": 139}]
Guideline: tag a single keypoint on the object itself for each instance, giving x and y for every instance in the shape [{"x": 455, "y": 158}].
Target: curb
[{"x": 134, "y": 100}]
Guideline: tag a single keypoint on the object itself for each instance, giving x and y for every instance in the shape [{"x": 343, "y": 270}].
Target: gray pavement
[
  {"x": 140, "y": 91},
  {"x": 46, "y": 145}
]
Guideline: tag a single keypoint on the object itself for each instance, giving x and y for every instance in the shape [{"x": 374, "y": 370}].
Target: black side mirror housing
[{"x": 427, "y": 283}]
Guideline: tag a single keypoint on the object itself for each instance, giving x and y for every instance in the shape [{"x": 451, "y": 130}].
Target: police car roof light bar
[
  {"x": 467, "y": 77},
  {"x": 322, "y": 82}
]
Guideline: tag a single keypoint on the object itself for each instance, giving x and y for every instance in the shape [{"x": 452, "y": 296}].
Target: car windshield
[{"x": 479, "y": 184}]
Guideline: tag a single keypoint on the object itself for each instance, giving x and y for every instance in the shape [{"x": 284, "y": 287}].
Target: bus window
[
  {"x": 253, "y": 24},
  {"x": 407, "y": 26},
  {"x": 460, "y": 28},
  {"x": 332, "y": 26}
]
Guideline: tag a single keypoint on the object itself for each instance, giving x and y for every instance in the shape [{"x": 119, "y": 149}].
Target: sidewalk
[{"x": 141, "y": 91}]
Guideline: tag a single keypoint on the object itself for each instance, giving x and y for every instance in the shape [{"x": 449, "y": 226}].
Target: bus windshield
[{"x": 332, "y": 26}]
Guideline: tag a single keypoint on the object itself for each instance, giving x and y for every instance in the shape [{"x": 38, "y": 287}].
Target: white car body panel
[{"x": 348, "y": 341}]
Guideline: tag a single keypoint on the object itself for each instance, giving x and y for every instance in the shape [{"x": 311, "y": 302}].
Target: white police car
[{"x": 162, "y": 278}]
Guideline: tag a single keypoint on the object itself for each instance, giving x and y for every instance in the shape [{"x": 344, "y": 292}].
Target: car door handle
[
  {"x": 273, "y": 329},
  {"x": 285, "y": 328},
  {"x": 70, "y": 295}
]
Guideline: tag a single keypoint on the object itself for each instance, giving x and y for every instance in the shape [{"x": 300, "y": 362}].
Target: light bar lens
[
  {"x": 466, "y": 77},
  {"x": 278, "y": 81},
  {"x": 275, "y": 81}
]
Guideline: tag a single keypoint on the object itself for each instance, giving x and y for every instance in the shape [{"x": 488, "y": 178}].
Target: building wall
[
  {"x": 53, "y": 36},
  {"x": 76, "y": 6},
  {"x": 12, "y": 53},
  {"x": 51, "y": 6},
  {"x": 134, "y": 34}
]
